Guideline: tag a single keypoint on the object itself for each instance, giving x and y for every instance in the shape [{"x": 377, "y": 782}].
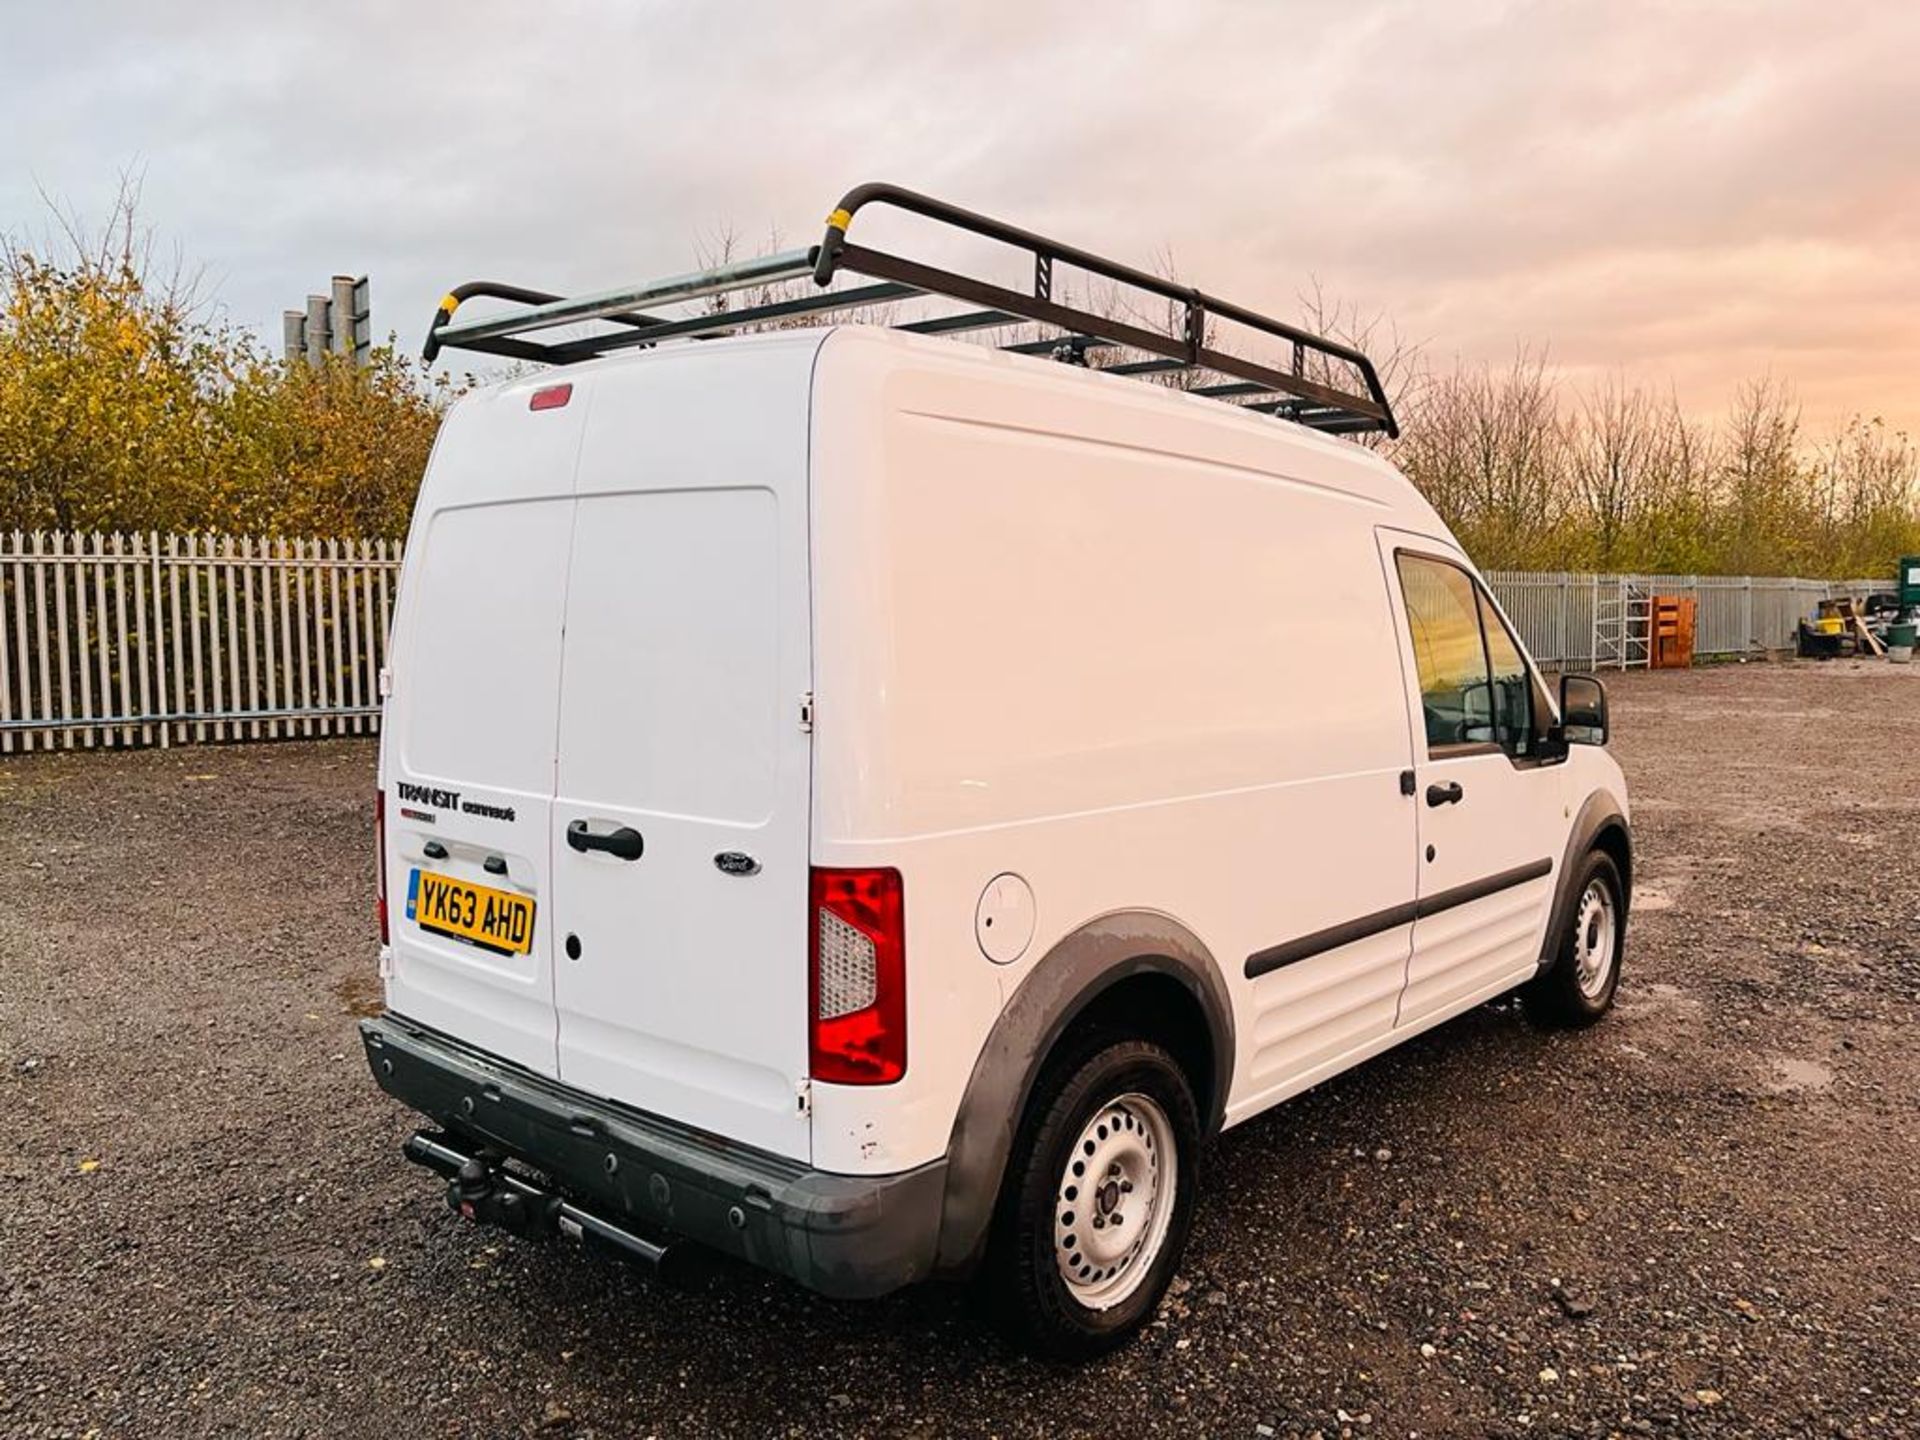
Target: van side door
[{"x": 1489, "y": 798}]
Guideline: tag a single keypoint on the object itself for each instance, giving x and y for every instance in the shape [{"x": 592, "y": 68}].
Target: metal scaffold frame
[{"x": 1622, "y": 623}]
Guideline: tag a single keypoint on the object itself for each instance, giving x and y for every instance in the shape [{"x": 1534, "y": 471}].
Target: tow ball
[
  {"x": 481, "y": 1192},
  {"x": 482, "y": 1189}
]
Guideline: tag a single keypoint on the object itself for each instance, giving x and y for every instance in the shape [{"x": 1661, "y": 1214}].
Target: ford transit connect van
[{"x": 873, "y": 804}]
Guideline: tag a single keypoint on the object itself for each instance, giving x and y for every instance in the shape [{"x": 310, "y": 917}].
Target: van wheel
[
  {"x": 1578, "y": 987},
  {"x": 1097, "y": 1202}
]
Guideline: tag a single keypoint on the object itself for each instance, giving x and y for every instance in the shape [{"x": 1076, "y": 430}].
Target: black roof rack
[{"x": 1307, "y": 389}]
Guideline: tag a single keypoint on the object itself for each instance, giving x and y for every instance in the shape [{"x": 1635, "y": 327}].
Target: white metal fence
[
  {"x": 149, "y": 639},
  {"x": 1573, "y": 621},
  {"x": 117, "y": 640}
]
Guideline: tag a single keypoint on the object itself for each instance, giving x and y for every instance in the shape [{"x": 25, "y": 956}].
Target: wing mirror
[{"x": 1583, "y": 710}]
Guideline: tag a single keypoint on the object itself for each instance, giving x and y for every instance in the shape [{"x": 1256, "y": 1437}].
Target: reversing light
[
  {"x": 857, "y": 991},
  {"x": 551, "y": 398}
]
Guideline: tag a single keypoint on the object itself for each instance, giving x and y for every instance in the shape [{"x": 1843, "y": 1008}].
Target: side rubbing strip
[
  {"x": 1479, "y": 889},
  {"x": 1334, "y": 936}
]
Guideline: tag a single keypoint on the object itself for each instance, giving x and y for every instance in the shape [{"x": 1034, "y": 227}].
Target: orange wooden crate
[{"x": 1671, "y": 619}]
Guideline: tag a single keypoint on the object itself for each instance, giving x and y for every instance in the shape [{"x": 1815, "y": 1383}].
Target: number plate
[{"x": 492, "y": 919}]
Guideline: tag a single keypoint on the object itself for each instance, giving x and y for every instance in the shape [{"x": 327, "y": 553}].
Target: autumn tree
[
  {"x": 127, "y": 404},
  {"x": 102, "y": 407}
]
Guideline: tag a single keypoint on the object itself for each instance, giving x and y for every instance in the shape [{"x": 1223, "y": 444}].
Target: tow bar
[{"x": 480, "y": 1188}]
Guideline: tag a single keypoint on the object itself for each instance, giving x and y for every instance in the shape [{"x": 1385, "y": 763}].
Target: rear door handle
[
  {"x": 1448, "y": 794},
  {"x": 626, "y": 843}
]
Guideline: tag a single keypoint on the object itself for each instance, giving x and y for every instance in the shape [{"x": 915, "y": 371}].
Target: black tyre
[
  {"x": 1578, "y": 987},
  {"x": 1097, "y": 1200}
]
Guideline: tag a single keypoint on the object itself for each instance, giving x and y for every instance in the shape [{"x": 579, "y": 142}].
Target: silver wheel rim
[
  {"x": 1593, "y": 935},
  {"x": 1113, "y": 1204}
]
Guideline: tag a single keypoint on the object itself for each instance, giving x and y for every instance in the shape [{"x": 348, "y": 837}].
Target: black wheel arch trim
[
  {"x": 1075, "y": 972},
  {"x": 1602, "y": 814}
]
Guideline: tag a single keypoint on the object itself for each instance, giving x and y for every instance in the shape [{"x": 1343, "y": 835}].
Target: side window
[
  {"x": 1443, "y": 616},
  {"x": 1475, "y": 688},
  {"x": 1512, "y": 685}
]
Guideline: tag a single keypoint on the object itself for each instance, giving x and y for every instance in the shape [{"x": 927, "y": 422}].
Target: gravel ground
[{"x": 1700, "y": 1218}]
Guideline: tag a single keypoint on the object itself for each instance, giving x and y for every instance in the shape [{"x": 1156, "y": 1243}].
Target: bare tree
[
  {"x": 1761, "y": 475},
  {"x": 1613, "y": 446},
  {"x": 1397, "y": 359}
]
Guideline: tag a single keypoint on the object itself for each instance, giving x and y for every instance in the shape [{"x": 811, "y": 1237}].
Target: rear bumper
[{"x": 850, "y": 1236}]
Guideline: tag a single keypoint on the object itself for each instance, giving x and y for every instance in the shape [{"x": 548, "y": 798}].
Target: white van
[{"x": 874, "y": 805}]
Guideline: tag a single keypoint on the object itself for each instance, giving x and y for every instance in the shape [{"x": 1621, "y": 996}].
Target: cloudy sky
[{"x": 1689, "y": 194}]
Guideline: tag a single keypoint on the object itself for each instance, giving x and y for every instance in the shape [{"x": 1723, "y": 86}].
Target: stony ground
[{"x": 1700, "y": 1218}]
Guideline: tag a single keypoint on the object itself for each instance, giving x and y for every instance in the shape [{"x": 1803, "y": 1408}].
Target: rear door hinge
[
  {"x": 806, "y": 713},
  {"x": 803, "y": 1093}
]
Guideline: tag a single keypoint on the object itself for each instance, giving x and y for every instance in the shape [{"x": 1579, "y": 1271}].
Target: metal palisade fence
[
  {"x": 125, "y": 640},
  {"x": 1575, "y": 621}
]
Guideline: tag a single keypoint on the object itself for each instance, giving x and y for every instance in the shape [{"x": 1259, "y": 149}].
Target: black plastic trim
[
  {"x": 1074, "y": 973},
  {"x": 1292, "y": 952},
  {"x": 1277, "y": 957},
  {"x": 849, "y": 1236},
  {"x": 1600, "y": 815},
  {"x": 1479, "y": 889}
]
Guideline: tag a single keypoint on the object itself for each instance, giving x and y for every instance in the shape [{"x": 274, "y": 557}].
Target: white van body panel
[
  {"x": 1139, "y": 650},
  {"x": 1128, "y": 645}
]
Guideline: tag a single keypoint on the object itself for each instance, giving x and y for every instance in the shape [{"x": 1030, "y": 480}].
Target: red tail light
[
  {"x": 857, "y": 990},
  {"x": 551, "y": 398},
  {"x": 380, "y": 861}
]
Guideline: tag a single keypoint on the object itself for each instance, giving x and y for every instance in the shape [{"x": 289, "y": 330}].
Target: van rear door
[
  {"x": 468, "y": 760},
  {"x": 680, "y": 822}
]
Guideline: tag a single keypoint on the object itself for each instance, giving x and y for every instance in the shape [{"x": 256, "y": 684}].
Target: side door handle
[
  {"x": 626, "y": 843},
  {"x": 1448, "y": 794}
]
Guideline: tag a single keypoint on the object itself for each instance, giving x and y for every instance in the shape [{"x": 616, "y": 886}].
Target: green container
[
  {"x": 1900, "y": 638},
  {"x": 1908, "y": 584}
]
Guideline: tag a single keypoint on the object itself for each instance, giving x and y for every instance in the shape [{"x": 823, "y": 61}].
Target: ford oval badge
[{"x": 736, "y": 862}]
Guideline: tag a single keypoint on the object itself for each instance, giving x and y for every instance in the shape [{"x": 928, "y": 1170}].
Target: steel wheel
[
  {"x": 1594, "y": 932},
  {"x": 1115, "y": 1200}
]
